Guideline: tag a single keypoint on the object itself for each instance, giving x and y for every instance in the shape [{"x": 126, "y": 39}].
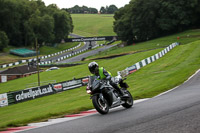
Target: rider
[{"x": 103, "y": 74}]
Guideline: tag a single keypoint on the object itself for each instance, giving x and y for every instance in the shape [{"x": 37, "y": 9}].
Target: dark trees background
[
  {"x": 21, "y": 21},
  {"x": 108, "y": 9},
  {"x": 84, "y": 9},
  {"x": 142, "y": 20}
]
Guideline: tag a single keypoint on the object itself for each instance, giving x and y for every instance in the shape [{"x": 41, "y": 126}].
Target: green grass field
[
  {"x": 93, "y": 24},
  {"x": 167, "y": 72}
]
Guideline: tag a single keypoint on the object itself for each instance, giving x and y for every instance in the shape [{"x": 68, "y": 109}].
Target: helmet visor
[{"x": 92, "y": 69}]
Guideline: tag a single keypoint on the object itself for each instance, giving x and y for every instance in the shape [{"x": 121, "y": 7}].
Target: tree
[
  {"x": 103, "y": 10},
  {"x": 3, "y": 40},
  {"x": 83, "y": 9},
  {"x": 47, "y": 28},
  {"x": 75, "y": 9},
  {"x": 122, "y": 25},
  {"x": 42, "y": 27},
  {"x": 10, "y": 21},
  {"x": 142, "y": 20},
  {"x": 93, "y": 10},
  {"x": 63, "y": 25},
  {"x": 25, "y": 20},
  {"x": 108, "y": 9},
  {"x": 112, "y": 9},
  {"x": 179, "y": 15}
]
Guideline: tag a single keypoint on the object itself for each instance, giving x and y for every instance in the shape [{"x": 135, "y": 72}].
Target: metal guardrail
[{"x": 35, "y": 84}]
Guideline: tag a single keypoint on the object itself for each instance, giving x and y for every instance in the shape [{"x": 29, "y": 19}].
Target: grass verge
[{"x": 45, "y": 50}]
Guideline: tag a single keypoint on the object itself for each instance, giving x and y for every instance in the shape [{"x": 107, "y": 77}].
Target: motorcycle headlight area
[{"x": 88, "y": 90}]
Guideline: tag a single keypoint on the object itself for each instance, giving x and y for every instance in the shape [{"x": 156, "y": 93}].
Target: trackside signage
[
  {"x": 57, "y": 87},
  {"x": 31, "y": 93},
  {"x": 131, "y": 69},
  {"x": 87, "y": 39},
  {"x": 3, "y": 100},
  {"x": 71, "y": 84},
  {"x": 36, "y": 92},
  {"x": 85, "y": 81}
]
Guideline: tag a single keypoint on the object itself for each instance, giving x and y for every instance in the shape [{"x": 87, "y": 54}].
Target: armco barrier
[
  {"x": 148, "y": 60},
  {"x": 32, "y": 93}
]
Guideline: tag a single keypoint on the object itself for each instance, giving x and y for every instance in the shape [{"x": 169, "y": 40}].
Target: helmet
[{"x": 92, "y": 67}]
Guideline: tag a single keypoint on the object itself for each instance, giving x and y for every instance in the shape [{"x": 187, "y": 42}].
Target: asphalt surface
[{"x": 177, "y": 111}]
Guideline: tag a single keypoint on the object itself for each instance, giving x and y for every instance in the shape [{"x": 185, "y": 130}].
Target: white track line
[{"x": 179, "y": 85}]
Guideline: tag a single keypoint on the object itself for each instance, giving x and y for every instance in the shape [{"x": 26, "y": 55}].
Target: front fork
[{"x": 100, "y": 96}]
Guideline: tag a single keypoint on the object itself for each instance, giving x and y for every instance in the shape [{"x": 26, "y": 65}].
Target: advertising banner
[
  {"x": 71, "y": 84},
  {"x": 3, "y": 100},
  {"x": 131, "y": 69},
  {"x": 58, "y": 87},
  {"x": 86, "y": 39},
  {"x": 31, "y": 93},
  {"x": 85, "y": 81}
]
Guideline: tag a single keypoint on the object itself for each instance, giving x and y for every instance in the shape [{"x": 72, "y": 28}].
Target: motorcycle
[{"x": 104, "y": 96}]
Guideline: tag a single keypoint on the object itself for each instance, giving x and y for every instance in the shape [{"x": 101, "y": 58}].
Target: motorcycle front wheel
[
  {"x": 129, "y": 101},
  {"x": 100, "y": 105}
]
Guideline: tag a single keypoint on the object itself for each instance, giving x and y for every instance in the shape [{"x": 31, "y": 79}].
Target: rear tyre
[
  {"x": 129, "y": 101},
  {"x": 100, "y": 105}
]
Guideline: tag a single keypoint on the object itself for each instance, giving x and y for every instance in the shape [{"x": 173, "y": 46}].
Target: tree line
[
  {"x": 84, "y": 9},
  {"x": 24, "y": 20},
  {"x": 108, "y": 9},
  {"x": 142, "y": 20}
]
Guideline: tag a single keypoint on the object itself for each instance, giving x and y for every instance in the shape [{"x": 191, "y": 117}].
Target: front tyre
[
  {"x": 129, "y": 101},
  {"x": 100, "y": 105}
]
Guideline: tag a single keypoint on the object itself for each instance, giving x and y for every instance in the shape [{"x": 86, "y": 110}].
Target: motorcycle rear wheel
[
  {"x": 129, "y": 101},
  {"x": 101, "y": 106}
]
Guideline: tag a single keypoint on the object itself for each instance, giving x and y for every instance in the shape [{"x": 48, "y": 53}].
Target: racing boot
[{"x": 121, "y": 92}]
